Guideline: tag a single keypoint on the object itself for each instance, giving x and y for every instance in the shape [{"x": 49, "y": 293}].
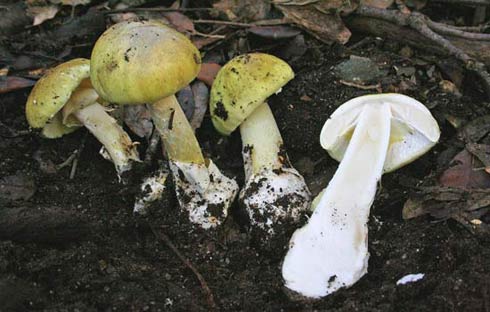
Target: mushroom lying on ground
[
  {"x": 370, "y": 135},
  {"x": 64, "y": 100},
  {"x": 148, "y": 62},
  {"x": 275, "y": 194}
]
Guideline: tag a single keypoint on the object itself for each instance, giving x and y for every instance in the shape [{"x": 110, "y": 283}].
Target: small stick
[
  {"x": 77, "y": 156},
  {"x": 68, "y": 161},
  {"x": 466, "y": 2},
  {"x": 451, "y": 31},
  {"x": 13, "y": 133},
  {"x": 209, "y": 295},
  {"x": 152, "y": 146},
  {"x": 158, "y": 10},
  {"x": 269, "y": 22},
  {"x": 360, "y": 86}
]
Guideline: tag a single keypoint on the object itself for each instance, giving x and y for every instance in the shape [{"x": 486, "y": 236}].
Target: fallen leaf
[
  {"x": 43, "y": 13},
  {"x": 447, "y": 202},
  {"x": 201, "y": 42},
  {"x": 208, "y": 73},
  {"x": 180, "y": 22},
  {"x": 475, "y": 130},
  {"x": 12, "y": 83},
  {"x": 186, "y": 101},
  {"x": 480, "y": 151},
  {"x": 138, "y": 119},
  {"x": 465, "y": 173},
  {"x": 17, "y": 187},
  {"x": 380, "y": 4},
  {"x": 201, "y": 98},
  {"x": 70, "y": 2},
  {"x": 274, "y": 32},
  {"x": 247, "y": 10},
  {"x": 325, "y": 27}
]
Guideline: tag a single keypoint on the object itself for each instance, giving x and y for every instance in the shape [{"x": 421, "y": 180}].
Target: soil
[{"x": 78, "y": 247}]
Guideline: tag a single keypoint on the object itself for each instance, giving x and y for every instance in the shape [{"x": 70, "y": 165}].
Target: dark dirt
[{"x": 115, "y": 262}]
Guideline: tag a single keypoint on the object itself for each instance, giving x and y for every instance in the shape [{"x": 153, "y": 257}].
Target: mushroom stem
[
  {"x": 201, "y": 188},
  {"x": 260, "y": 133},
  {"x": 275, "y": 195},
  {"x": 114, "y": 139},
  {"x": 330, "y": 252},
  {"x": 176, "y": 132}
]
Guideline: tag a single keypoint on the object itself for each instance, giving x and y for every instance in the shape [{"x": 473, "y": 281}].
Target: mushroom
[
  {"x": 63, "y": 100},
  {"x": 148, "y": 62},
  {"x": 370, "y": 135},
  {"x": 275, "y": 194}
]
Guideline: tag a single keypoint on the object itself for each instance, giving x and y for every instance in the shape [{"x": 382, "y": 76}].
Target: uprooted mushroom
[
  {"x": 64, "y": 99},
  {"x": 275, "y": 193},
  {"x": 148, "y": 62},
  {"x": 369, "y": 135}
]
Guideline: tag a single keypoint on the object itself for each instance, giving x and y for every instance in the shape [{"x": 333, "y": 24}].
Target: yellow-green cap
[
  {"x": 142, "y": 62},
  {"x": 242, "y": 85},
  {"x": 53, "y": 90}
]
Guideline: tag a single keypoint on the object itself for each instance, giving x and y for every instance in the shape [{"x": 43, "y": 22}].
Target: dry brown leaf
[
  {"x": 247, "y": 10},
  {"x": 180, "y": 22},
  {"x": 466, "y": 172},
  {"x": 43, "y": 13},
  {"x": 446, "y": 202},
  {"x": 326, "y": 27},
  {"x": 274, "y": 32},
  {"x": 380, "y": 4},
  {"x": 138, "y": 119},
  {"x": 70, "y": 2},
  {"x": 208, "y": 73},
  {"x": 12, "y": 83}
]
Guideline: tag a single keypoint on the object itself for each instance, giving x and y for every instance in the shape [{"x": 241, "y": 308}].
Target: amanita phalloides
[
  {"x": 63, "y": 100},
  {"x": 274, "y": 193},
  {"x": 148, "y": 62},
  {"x": 369, "y": 135}
]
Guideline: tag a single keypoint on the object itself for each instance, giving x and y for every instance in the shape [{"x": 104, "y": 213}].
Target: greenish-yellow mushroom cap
[
  {"x": 51, "y": 93},
  {"x": 142, "y": 62},
  {"x": 242, "y": 85}
]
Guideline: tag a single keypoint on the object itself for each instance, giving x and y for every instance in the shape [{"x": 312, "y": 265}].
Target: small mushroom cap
[
  {"x": 413, "y": 129},
  {"x": 142, "y": 62},
  {"x": 54, "y": 89},
  {"x": 242, "y": 85}
]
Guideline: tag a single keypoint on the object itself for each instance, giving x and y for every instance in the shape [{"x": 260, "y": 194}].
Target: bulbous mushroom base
[
  {"x": 203, "y": 191},
  {"x": 152, "y": 189},
  {"x": 275, "y": 201},
  {"x": 316, "y": 266}
]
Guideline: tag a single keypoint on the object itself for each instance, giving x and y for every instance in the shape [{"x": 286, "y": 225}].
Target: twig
[
  {"x": 478, "y": 29},
  {"x": 360, "y": 86},
  {"x": 13, "y": 133},
  {"x": 152, "y": 146},
  {"x": 444, "y": 29},
  {"x": 158, "y": 10},
  {"x": 270, "y": 22},
  {"x": 67, "y": 161},
  {"x": 204, "y": 285},
  {"x": 77, "y": 156},
  {"x": 467, "y": 2},
  {"x": 418, "y": 22}
]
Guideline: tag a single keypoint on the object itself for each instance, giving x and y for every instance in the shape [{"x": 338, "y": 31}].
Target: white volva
[
  {"x": 274, "y": 191},
  {"x": 331, "y": 251}
]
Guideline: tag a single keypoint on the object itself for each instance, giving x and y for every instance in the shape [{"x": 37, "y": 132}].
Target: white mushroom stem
[
  {"x": 330, "y": 252},
  {"x": 260, "y": 133},
  {"x": 275, "y": 192},
  {"x": 115, "y": 140},
  {"x": 201, "y": 189}
]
